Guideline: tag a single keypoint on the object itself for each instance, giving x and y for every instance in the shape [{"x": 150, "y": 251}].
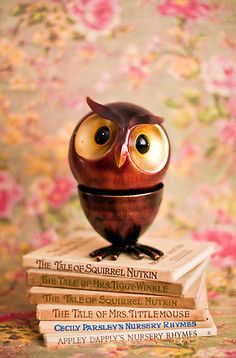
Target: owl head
[{"x": 119, "y": 147}]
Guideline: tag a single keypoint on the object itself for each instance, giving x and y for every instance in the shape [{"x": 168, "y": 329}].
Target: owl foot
[
  {"x": 138, "y": 250},
  {"x": 113, "y": 251},
  {"x": 149, "y": 251}
]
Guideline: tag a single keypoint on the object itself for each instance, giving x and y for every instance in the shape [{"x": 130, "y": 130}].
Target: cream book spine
[
  {"x": 63, "y": 296},
  {"x": 52, "y": 278},
  {"x": 72, "y": 255},
  {"x": 45, "y": 312},
  {"x": 67, "y": 339},
  {"x": 62, "y": 327}
]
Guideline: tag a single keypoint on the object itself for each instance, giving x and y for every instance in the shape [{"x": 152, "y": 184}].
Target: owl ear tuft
[{"x": 102, "y": 111}]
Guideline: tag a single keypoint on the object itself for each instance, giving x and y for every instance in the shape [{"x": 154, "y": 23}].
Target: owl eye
[
  {"x": 95, "y": 137},
  {"x": 102, "y": 135},
  {"x": 142, "y": 144},
  {"x": 149, "y": 147}
]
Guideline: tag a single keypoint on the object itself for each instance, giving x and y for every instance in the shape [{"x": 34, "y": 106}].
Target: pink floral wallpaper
[{"x": 175, "y": 57}]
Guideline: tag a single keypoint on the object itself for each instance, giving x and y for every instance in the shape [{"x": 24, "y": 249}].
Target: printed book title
[{"x": 100, "y": 270}]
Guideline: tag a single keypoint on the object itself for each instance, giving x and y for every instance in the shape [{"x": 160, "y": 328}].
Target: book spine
[
  {"x": 133, "y": 337},
  {"x": 97, "y": 298},
  {"x": 84, "y": 282},
  {"x": 73, "y": 313},
  {"x": 116, "y": 326},
  {"x": 103, "y": 269}
]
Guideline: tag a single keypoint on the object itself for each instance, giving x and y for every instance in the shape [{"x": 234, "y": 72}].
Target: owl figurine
[{"x": 119, "y": 154}]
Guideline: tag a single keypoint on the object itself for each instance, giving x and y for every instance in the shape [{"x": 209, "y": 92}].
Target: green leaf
[
  {"x": 4, "y": 223},
  {"x": 35, "y": 18},
  {"x": 210, "y": 150},
  {"x": 208, "y": 115},
  {"x": 181, "y": 118},
  {"x": 18, "y": 9},
  {"x": 220, "y": 289},
  {"x": 70, "y": 20},
  {"x": 193, "y": 96},
  {"x": 171, "y": 103}
]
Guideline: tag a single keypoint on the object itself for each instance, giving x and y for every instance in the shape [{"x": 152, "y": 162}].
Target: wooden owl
[{"x": 119, "y": 154}]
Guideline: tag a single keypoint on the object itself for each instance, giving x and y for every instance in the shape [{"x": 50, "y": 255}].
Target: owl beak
[{"x": 121, "y": 155}]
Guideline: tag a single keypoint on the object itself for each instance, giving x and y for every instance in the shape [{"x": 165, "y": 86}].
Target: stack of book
[{"x": 82, "y": 301}]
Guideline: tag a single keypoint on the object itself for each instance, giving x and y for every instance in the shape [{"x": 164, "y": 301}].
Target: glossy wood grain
[{"x": 121, "y": 219}]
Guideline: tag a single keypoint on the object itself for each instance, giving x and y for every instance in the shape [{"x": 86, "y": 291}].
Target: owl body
[
  {"x": 119, "y": 154},
  {"x": 121, "y": 219}
]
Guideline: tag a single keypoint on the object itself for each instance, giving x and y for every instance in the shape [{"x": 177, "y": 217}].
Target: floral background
[{"x": 175, "y": 57}]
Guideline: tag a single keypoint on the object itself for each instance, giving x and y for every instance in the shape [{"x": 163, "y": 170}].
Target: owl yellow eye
[
  {"x": 149, "y": 147},
  {"x": 95, "y": 137}
]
